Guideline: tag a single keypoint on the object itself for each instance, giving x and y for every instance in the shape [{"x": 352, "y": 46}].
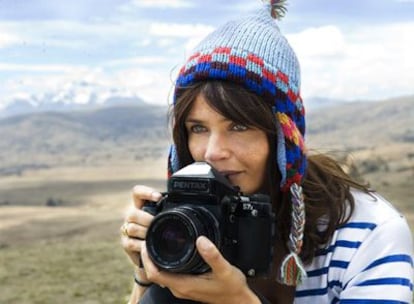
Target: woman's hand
[
  {"x": 224, "y": 284},
  {"x": 136, "y": 223}
]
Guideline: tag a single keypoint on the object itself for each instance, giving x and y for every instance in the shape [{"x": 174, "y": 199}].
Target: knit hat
[{"x": 253, "y": 53}]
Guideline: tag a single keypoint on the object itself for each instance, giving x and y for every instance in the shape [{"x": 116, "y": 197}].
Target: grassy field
[
  {"x": 70, "y": 253},
  {"x": 59, "y": 271}
]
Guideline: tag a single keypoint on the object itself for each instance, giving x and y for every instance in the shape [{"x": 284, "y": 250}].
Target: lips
[{"x": 229, "y": 174}]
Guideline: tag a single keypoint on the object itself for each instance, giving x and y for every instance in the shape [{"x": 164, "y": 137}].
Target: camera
[{"x": 201, "y": 201}]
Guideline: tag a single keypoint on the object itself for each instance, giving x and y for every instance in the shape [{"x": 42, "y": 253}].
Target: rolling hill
[
  {"x": 363, "y": 124},
  {"x": 55, "y": 138},
  {"x": 129, "y": 132}
]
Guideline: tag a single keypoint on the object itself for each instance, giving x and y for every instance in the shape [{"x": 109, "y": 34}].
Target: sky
[{"x": 92, "y": 49}]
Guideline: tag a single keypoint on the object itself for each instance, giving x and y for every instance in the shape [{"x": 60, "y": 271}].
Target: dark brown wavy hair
[{"x": 326, "y": 186}]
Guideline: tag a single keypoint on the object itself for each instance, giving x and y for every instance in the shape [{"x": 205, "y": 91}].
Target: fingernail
[
  {"x": 155, "y": 196},
  {"x": 204, "y": 243}
]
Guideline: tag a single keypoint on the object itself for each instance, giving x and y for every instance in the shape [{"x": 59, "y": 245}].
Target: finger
[
  {"x": 137, "y": 216},
  {"x": 212, "y": 256},
  {"x": 201, "y": 287},
  {"x": 142, "y": 193},
  {"x": 180, "y": 285},
  {"x": 173, "y": 281},
  {"x": 131, "y": 244},
  {"x": 134, "y": 230},
  {"x": 152, "y": 272}
]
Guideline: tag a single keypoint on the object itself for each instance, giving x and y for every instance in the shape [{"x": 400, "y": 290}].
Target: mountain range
[
  {"x": 135, "y": 131},
  {"x": 363, "y": 124},
  {"x": 64, "y": 102},
  {"x": 78, "y": 137},
  {"x": 29, "y": 105}
]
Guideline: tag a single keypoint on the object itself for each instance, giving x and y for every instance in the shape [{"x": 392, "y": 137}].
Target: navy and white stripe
[{"x": 369, "y": 260}]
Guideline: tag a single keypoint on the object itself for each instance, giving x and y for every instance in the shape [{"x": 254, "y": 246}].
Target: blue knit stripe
[
  {"x": 237, "y": 70},
  {"x": 245, "y": 64},
  {"x": 218, "y": 73}
]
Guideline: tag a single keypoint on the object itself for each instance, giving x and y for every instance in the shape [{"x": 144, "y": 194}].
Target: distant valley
[
  {"x": 356, "y": 125},
  {"x": 371, "y": 130},
  {"x": 81, "y": 137}
]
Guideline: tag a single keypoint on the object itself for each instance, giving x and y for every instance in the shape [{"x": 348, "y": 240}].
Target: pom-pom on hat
[{"x": 252, "y": 52}]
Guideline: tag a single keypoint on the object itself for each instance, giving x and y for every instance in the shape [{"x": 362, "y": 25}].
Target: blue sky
[{"x": 93, "y": 49}]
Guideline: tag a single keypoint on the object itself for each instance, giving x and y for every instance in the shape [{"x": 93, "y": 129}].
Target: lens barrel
[{"x": 172, "y": 234}]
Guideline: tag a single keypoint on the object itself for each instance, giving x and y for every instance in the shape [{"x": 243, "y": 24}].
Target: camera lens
[
  {"x": 173, "y": 239},
  {"x": 172, "y": 234}
]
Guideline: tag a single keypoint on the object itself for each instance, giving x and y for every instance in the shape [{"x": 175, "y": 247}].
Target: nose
[{"x": 218, "y": 148}]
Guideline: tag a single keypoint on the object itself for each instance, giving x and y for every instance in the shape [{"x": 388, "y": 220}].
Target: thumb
[{"x": 212, "y": 256}]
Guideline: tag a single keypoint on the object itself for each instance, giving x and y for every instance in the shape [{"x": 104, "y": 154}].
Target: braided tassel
[{"x": 292, "y": 270}]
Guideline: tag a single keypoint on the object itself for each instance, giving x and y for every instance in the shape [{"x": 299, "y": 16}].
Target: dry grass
[
  {"x": 68, "y": 253},
  {"x": 71, "y": 253}
]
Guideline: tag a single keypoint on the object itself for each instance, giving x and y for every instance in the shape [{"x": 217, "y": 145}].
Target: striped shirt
[{"x": 369, "y": 259}]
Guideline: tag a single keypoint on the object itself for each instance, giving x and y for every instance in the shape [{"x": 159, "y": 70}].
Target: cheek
[
  {"x": 254, "y": 149},
  {"x": 258, "y": 159},
  {"x": 196, "y": 149}
]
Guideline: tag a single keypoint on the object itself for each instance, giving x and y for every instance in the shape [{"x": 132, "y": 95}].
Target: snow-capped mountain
[{"x": 74, "y": 96}]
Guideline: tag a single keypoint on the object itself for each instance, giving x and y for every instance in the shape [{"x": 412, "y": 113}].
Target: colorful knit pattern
[{"x": 253, "y": 53}]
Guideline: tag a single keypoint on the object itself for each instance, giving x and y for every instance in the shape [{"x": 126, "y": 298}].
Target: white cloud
[
  {"x": 51, "y": 81},
  {"x": 372, "y": 62},
  {"x": 37, "y": 67},
  {"x": 74, "y": 35},
  {"x": 153, "y": 85},
  {"x": 150, "y": 82},
  {"x": 193, "y": 33},
  {"x": 141, "y": 60},
  {"x": 144, "y": 42},
  {"x": 7, "y": 39},
  {"x": 179, "y": 30},
  {"x": 322, "y": 41},
  {"x": 163, "y": 3},
  {"x": 338, "y": 62}
]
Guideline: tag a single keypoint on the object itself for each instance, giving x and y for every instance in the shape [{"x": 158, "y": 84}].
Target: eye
[
  {"x": 197, "y": 129},
  {"x": 239, "y": 127}
]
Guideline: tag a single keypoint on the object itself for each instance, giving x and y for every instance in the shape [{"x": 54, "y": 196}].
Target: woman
[{"x": 237, "y": 106}]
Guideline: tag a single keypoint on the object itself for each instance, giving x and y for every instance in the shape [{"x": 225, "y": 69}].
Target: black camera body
[{"x": 200, "y": 201}]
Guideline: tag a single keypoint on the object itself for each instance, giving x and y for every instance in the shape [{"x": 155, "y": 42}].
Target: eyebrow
[
  {"x": 193, "y": 120},
  {"x": 196, "y": 120}
]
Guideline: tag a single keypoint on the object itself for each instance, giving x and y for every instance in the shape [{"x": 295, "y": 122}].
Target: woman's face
[{"x": 238, "y": 151}]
